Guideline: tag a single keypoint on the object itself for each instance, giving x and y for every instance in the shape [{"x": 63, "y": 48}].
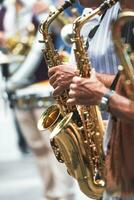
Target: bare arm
[
  {"x": 106, "y": 79},
  {"x": 122, "y": 107},
  {"x": 85, "y": 91}
]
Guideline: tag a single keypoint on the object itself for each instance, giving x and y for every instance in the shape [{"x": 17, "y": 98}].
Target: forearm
[
  {"x": 121, "y": 107},
  {"x": 106, "y": 79}
]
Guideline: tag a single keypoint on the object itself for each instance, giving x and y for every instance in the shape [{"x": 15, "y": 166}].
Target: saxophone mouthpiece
[{"x": 68, "y": 3}]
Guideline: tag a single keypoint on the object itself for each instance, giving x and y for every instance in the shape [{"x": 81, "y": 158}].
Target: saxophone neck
[
  {"x": 52, "y": 16},
  {"x": 80, "y": 21},
  {"x": 80, "y": 49}
]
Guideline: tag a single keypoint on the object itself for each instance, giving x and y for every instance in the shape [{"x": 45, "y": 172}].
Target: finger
[
  {"x": 55, "y": 85},
  {"x": 77, "y": 72},
  {"x": 72, "y": 94},
  {"x": 71, "y": 101},
  {"x": 52, "y": 71},
  {"x": 52, "y": 79},
  {"x": 58, "y": 91},
  {"x": 76, "y": 79},
  {"x": 73, "y": 86}
]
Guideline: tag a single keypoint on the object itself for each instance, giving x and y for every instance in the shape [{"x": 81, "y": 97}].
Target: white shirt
[{"x": 101, "y": 49}]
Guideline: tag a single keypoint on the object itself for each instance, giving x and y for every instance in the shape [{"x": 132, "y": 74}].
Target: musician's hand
[
  {"x": 60, "y": 77},
  {"x": 86, "y": 91}
]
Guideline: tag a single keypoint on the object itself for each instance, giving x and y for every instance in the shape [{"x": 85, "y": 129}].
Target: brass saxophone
[
  {"x": 82, "y": 148},
  {"x": 50, "y": 116},
  {"x": 55, "y": 113},
  {"x": 126, "y": 66}
]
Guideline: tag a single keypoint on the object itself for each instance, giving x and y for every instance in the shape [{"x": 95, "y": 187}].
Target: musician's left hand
[
  {"x": 86, "y": 91},
  {"x": 60, "y": 77}
]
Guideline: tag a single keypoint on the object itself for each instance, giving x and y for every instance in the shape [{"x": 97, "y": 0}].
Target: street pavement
[{"x": 19, "y": 178}]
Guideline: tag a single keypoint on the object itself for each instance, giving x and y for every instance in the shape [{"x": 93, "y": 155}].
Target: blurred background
[
  {"x": 19, "y": 175},
  {"x": 28, "y": 167}
]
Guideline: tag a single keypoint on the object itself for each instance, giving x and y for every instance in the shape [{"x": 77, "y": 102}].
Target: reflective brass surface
[
  {"x": 53, "y": 58},
  {"x": 49, "y": 118},
  {"x": 126, "y": 65}
]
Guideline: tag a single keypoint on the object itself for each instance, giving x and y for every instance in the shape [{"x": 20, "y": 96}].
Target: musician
[
  {"x": 118, "y": 141},
  {"x": 118, "y": 147},
  {"x": 60, "y": 76}
]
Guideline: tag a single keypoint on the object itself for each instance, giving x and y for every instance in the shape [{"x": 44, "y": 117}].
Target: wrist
[
  {"x": 103, "y": 91},
  {"x": 104, "y": 103}
]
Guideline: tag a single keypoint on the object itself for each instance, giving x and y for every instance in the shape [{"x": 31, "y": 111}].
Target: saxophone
[
  {"x": 55, "y": 113},
  {"x": 126, "y": 66},
  {"x": 82, "y": 149},
  {"x": 50, "y": 116}
]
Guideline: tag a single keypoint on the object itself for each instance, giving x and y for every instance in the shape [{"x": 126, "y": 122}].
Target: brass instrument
[
  {"x": 51, "y": 117},
  {"x": 126, "y": 67},
  {"x": 81, "y": 148},
  {"x": 20, "y": 45},
  {"x": 61, "y": 19}
]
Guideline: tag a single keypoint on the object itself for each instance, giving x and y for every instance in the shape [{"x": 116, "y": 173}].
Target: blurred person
[{"x": 5, "y": 75}]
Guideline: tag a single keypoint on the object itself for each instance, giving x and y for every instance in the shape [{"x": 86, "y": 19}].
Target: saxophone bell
[
  {"x": 71, "y": 148},
  {"x": 48, "y": 118}
]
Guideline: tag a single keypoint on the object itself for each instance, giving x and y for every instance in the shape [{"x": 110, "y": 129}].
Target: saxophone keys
[
  {"x": 85, "y": 141},
  {"x": 97, "y": 134}
]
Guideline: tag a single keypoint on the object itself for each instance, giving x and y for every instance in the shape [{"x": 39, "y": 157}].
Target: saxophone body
[
  {"x": 82, "y": 148},
  {"x": 126, "y": 67}
]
